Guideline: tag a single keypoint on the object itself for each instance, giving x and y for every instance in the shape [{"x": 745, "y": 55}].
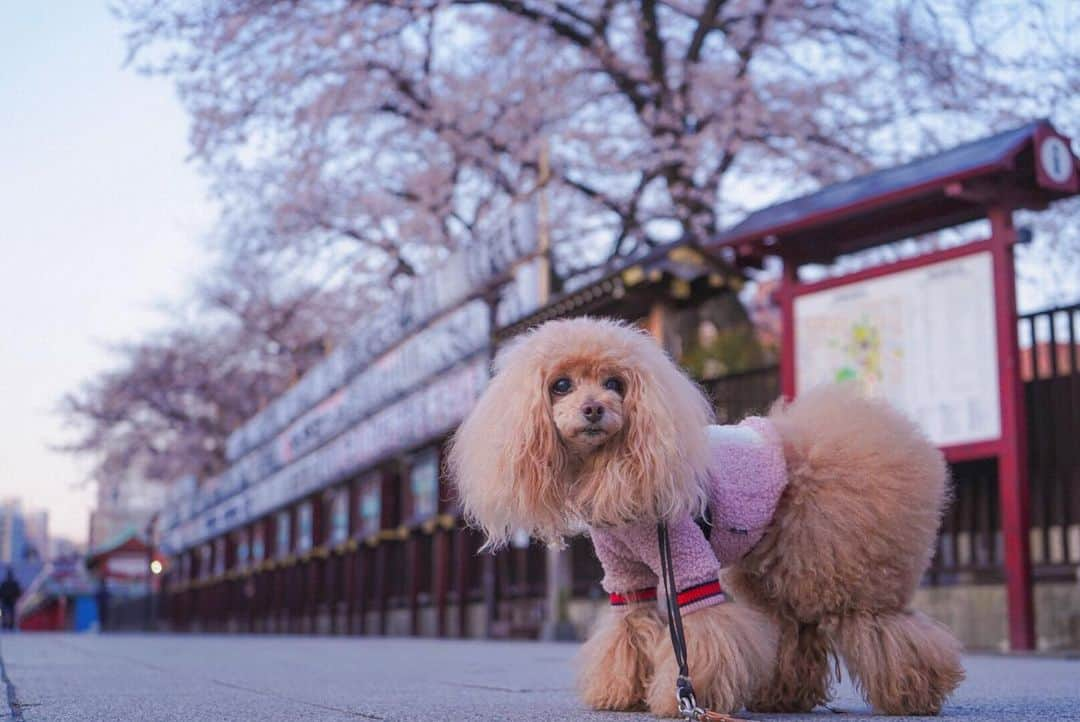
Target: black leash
[{"x": 684, "y": 688}]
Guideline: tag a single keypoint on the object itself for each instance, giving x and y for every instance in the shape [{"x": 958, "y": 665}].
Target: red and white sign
[{"x": 127, "y": 566}]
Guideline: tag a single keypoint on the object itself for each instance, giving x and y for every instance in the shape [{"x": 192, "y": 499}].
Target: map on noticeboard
[{"x": 922, "y": 338}]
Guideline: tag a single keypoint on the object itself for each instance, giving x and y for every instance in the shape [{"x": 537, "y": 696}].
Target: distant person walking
[
  {"x": 10, "y": 591},
  {"x": 102, "y": 604}
]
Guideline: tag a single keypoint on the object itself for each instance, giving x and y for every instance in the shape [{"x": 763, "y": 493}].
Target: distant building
[
  {"x": 36, "y": 533},
  {"x": 19, "y": 550},
  {"x": 12, "y": 533},
  {"x": 124, "y": 505},
  {"x": 61, "y": 548}
]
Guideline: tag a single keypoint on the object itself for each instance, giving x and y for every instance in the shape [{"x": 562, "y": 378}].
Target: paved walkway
[{"x": 202, "y": 678}]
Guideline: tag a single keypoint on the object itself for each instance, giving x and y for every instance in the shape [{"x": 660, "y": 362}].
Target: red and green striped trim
[{"x": 648, "y": 594}]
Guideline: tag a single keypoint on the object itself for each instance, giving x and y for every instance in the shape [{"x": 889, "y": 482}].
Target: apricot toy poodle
[{"x": 822, "y": 515}]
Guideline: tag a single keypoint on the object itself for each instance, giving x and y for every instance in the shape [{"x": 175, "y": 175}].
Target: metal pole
[
  {"x": 557, "y": 624},
  {"x": 148, "y": 610}
]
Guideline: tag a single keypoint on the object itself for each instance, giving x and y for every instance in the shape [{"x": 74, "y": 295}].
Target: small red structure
[
  {"x": 59, "y": 598},
  {"x": 49, "y": 617},
  {"x": 1025, "y": 168},
  {"x": 123, "y": 561}
]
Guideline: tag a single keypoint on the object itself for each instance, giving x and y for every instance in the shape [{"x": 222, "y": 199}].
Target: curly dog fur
[
  {"x": 730, "y": 648},
  {"x": 833, "y": 575},
  {"x": 621, "y": 646},
  {"x": 850, "y": 540}
]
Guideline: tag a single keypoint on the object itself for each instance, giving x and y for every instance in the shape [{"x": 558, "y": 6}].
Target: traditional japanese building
[{"x": 335, "y": 515}]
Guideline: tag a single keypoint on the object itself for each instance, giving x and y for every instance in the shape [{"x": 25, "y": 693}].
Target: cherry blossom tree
[
  {"x": 170, "y": 402},
  {"x": 380, "y": 132},
  {"x": 353, "y": 143}
]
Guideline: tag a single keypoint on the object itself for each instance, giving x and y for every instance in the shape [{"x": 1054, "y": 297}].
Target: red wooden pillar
[
  {"x": 213, "y": 605},
  {"x": 360, "y": 588},
  {"x": 293, "y": 591},
  {"x": 224, "y": 587},
  {"x": 316, "y": 565},
  {"x": 213, "y": 591},
  {"x": 348, "y": 585},
  {"x": 300, "y": 584},
  {"x": 338, "y": 579},
  {"x": 266, "y": 597},
  {"x": 391, "y": 517},
  {"x": 462, "y": 580},
  {"x": 316, "y": 598},
  {"x": 331, "y": 579},
  {"x": 289, "y": 592},
  {"x": 281, "y": 602},
  {"x": 231, "y": 585},
  {"x": 788, "y": 281},
  {"x": 270, "y": 605},
  {"x": 521, "y": 572},
  {"x": 412, "y": 561},
  {"x": 380, "y": 584},
  {"x": 1012, "y": 463},
  {"x": 440, "y": 559},
  {"x": 256, "y": 600},
  {"x": 490, "y": 578},
  {"x": 266, "y": 605},
  {"x": 288, "y": 596},
  {"x": 281, "y": 612},
  {"x": 351, "y": 559},
  {"x": 328, "y": 594}
]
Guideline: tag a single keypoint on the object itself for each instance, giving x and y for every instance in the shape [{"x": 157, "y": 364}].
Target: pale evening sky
[{"x": 101, "y": 219}]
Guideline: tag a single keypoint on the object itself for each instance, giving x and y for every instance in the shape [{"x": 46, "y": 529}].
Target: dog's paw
[
  {"x": 731, "y": 650},
  {"x": 615, "y": 664},
  {"x": 905, "y": 663},
  {"x": 802, "y": 677}
]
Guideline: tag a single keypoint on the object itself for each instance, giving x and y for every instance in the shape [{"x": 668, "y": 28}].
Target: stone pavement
[{"x": 162, "y": 677}]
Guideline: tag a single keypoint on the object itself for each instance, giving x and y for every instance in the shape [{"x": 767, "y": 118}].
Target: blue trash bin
[{"x": 86, "y": 613}]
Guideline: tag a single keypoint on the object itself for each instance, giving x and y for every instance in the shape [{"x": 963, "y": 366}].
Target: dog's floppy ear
[
  {"x": 506, "y": 458},
  {"x": 659, "y": 471}
]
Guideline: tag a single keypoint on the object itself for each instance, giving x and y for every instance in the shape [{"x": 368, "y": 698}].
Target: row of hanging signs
[{"x": 406, "y": 374}]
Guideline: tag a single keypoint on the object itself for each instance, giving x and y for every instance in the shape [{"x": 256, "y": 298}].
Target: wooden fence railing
[{"x": 970, "y": 545}]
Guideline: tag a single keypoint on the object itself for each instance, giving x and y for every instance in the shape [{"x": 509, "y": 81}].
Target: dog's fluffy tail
[{"x": 866, "y": 490}]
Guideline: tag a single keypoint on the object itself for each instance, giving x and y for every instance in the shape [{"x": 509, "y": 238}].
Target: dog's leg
[
  {"x": 904, "y": 663},
  {"x": 801, "y": 679},
  {"x": 731, "y": 649},
  {"x": 614, "y": 664}
]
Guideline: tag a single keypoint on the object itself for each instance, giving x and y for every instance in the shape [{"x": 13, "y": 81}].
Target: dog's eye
[
  {"x": 561, "y": 386},
  {"x": 614, "y": 384}
]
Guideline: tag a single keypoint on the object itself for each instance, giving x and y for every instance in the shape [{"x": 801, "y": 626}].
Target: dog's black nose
[{"x": 592, "y": 412}]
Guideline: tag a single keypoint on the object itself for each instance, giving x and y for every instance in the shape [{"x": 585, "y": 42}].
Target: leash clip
[{"x": 684, "y": 694}]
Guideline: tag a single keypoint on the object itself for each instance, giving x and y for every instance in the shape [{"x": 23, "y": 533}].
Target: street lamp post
[{"x": 153, "y": 568}]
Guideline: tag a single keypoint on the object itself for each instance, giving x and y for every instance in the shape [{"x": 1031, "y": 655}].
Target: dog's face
[
  {"x": 587, "y": 405},
  {"x": 585, "y": 421}
]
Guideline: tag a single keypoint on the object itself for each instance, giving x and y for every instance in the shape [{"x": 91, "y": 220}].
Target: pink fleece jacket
[{"x": 746, "y": 477}]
